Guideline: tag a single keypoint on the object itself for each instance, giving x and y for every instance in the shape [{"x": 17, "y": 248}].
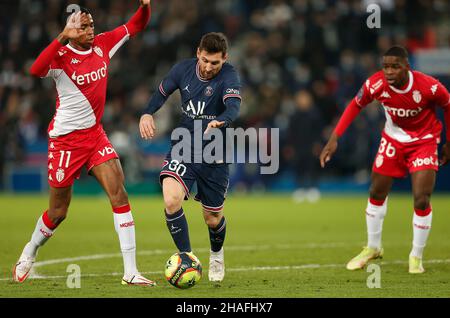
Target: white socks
[
  {"x": 124, "y": 225},
  {"x": 421, "y": 230},
  {"x": 375, "y": 213},
  {"x": 43, "y": 231}
]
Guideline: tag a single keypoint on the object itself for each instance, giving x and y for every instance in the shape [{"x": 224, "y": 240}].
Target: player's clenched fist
[
  {"x": 328, "y": 151},
  {"x": 147, "y": 126}
]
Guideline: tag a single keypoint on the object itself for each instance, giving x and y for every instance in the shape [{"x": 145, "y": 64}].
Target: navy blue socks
[{"x": 178, "y": 228}]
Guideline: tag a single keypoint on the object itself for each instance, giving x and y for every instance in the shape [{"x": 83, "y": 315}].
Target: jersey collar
[
  {"x": 70, "y": 47},
  {"x": 407, "y": 89}
]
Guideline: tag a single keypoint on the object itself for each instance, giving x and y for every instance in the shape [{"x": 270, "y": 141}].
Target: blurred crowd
[{"x": 300, "y": 63}]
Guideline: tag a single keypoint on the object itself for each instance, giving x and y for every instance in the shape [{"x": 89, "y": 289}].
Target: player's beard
[{"x": 209, "y": 75}]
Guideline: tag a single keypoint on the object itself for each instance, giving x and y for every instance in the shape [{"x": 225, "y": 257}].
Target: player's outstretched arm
[
  {"x": 140, "y": 19},
  {"x": 445, "y": 151},
  {"x": 72, "y": 30},
  {"x": 445, "y": 154},
  {"x": 168, "y": 85},
  {"x": 350, "y": 113},
  {"x": 329, "y": 149},
  {"x": 442, "y": 98}
]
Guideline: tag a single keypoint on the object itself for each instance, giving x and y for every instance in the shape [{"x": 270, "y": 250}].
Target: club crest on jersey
[
  {"x": 60, "y": 174},
  {"x": 208, "y": 91},
  {"x": 379, "y": 161},
  {"x": 417, "y": 96},
  {"x": 98, "y": 51}
]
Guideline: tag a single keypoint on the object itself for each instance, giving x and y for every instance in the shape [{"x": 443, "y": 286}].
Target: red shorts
[
  {"x": 396, "y": 159},
  {"x": 69, "y": 153}
]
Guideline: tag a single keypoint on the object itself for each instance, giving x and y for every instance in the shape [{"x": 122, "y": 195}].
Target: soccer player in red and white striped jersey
[
  {"x": 409, "y": 144},
  {"x": 76, "y": 135}
]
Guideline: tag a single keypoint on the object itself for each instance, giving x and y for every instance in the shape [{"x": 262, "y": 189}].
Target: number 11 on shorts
[{"x": 62, "y": 158}]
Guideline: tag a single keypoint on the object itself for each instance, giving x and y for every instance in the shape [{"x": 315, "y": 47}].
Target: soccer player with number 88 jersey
[
  {"x": 409, "y": 144},
  {"x": 76, "y": 136}
]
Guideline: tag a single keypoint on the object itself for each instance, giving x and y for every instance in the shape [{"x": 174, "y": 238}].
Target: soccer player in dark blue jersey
[{"x": 210, "y": 95}]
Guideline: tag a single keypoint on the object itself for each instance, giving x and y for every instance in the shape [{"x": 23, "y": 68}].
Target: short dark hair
[
  {"x": 67, "y": 14},
  {"x": 214, "y": 42},
  {"x": 398, "y": 51}
]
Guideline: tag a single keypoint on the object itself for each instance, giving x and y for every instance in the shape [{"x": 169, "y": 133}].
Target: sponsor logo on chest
[
  {"x": 401, "y": 112},
  {"x": 90, "y": 77}
]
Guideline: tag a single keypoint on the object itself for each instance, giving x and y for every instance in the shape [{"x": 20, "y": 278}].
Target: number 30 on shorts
[
  {"x": 177, "y": 167},
  {"x": 387, "y": 148}
]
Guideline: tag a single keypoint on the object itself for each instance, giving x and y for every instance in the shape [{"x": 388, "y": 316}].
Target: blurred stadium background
[{"x": 300, "y": 62}]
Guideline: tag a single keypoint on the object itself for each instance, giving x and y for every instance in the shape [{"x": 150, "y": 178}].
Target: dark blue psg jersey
[{"x": 201, "y": 100}]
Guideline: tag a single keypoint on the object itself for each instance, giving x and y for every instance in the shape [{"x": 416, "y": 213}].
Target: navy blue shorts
[{"x": 212, "y": 181}]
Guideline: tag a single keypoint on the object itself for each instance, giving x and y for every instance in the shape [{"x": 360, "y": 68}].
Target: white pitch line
[
  {"x": 308, "y": 266},
  {"x": 250, "y": 269},
  {"x": 199, "y": 250},
  {"x": 35, "y": 274}
]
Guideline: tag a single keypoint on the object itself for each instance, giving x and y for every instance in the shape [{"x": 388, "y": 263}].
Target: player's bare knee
[
  {"x": 422, "y": 201},
  {"x": 173, "y": 195},
  {"x": 172, "y": 202},
  {"x": 118, "y": 196},
  {"x": 377, "y": 194},
  {"x": 57, "y": 214},
  {"x": 212, "y": 220}
]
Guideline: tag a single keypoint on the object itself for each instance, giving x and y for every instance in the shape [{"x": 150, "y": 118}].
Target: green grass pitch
[{"x": 274, "y": 248}]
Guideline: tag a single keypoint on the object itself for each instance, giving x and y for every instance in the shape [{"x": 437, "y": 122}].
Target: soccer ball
[{"x": 183, "y": 270}]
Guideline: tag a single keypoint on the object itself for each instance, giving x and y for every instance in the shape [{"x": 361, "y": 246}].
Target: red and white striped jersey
[
  {"x": 81, "y": 80},
  {"x": 411, "y": 112}
]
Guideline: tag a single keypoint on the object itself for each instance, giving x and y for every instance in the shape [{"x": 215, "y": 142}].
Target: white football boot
[
  {"x": 216, "y": 266},
  {"x": 138, "y": 280},
  {"x": 22, "y": 268}
]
